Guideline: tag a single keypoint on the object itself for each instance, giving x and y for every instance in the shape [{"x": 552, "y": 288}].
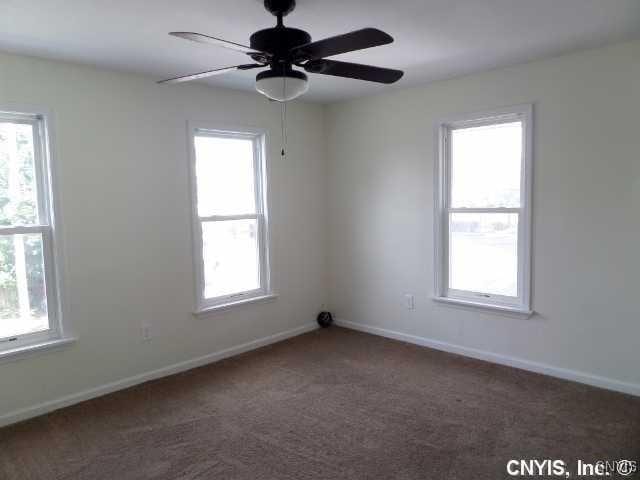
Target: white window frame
[
  {"x": 58, "y": 333},
  {"x": 522, "y": 303},
  {"x": 264, "y": 292}
]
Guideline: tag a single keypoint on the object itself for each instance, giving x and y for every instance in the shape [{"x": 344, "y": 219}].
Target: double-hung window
[
  {"x": 230, "y": 220},
  {"x": 483, "y": 217},
  {"x": 29, "y": 303}
]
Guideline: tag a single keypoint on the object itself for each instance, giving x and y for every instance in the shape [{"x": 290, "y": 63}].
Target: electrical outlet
[
  {"x": 146, "y": 332},
  {"x": 409, "y": 301}
]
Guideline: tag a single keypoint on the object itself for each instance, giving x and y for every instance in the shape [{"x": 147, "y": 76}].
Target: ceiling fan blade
[
  {"x": 353, "y": 70},
  {"x": 210, "y": 73},
  {"x": 200, "y": 38},
  {"x": 348, "y": 42}
]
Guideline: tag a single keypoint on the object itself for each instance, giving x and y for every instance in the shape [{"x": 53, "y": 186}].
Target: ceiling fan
[{"x": 281, "y": 48}]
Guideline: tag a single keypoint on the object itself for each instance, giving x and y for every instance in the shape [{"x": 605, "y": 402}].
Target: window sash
[
  {"x": 212, "y": 301},
  {"x": 223, "y": 218},
  {"x": 522, "y": 113},
  {"x": 478, "y": 296},
  {"x": 259, "y": 175},
  {"x": 39, "y": 161},
  {"x": 24, "y": 229},
  {"x": 16, "y": 341},
  {"x": 484, "y": 210},
  {"x": 44, "y": 227}
]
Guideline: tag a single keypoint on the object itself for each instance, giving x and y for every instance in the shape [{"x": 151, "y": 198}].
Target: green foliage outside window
[{"x": 18, "y": 206}]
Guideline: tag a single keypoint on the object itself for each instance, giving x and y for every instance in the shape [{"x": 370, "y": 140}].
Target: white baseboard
[
  {"x": 46, "y": 407},
  {"x": 573, "y": 375}
]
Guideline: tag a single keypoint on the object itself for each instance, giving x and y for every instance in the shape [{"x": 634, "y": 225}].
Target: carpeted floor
[{"x": 331, "y": 404}]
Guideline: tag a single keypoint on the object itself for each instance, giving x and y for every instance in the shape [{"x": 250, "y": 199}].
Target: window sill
[
  {"x": 23, "y": 351},
  {"x": 229, "y": 305},
  {"x": 515, "y": 311}
]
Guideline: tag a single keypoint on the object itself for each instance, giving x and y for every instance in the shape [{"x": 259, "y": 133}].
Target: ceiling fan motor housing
[
  {"x": 280, "y": 7},
  {"x": 278, "y": 41}
]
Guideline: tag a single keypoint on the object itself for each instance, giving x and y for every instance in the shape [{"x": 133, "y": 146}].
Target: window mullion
[
  {"x": 484, "y": 210},
  {"x": 24, "y": 229},
  {"x": 222, "y": 218}
]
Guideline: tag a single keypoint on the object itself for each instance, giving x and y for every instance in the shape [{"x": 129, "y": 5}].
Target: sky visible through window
[
  {"x": 485, "y": 173},
  {"x": 226, "y": 186}
]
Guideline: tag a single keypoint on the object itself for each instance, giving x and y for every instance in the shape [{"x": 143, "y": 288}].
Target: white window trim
[
  {"x": 59, "y": 333},
  {"x": 522, "y": 305},
  {"x": 204, "y": 305}
]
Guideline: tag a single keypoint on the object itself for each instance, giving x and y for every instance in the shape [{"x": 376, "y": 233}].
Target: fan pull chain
[
  {"x": 283, "y": 124},
  {"x": 283, "y": 118}
]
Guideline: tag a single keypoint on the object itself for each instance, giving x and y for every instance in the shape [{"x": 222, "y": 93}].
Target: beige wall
[
  {"x": 121, "y": 154},
  {"x": 586, "y": 220}
]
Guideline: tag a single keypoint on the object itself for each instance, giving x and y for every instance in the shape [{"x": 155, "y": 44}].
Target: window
[
  {"x": 230, "y": 221},
  {"x": 484, "y": 210},
  {"x": 29, "y": 303}
]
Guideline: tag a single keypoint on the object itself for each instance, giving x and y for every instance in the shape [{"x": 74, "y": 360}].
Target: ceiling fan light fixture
[{"x": 282, "y": 86}]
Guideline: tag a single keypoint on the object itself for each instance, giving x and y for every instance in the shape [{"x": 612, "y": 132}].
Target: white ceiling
[{"x": 435, "y": 39}]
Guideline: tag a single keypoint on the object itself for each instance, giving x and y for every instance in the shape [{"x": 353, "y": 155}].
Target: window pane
[
  {"x": 18, "y": 196},
  {"x": 23, "y": 298},
  {"x": 231, "y": 259},
  {"x": 224, "y": 171},
  {"x": 485, "y": 166},
  {"x": 483, "y": 253}
]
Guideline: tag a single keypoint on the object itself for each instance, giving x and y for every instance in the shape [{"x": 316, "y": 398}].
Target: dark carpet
[{"x": 331, "y": 404}]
